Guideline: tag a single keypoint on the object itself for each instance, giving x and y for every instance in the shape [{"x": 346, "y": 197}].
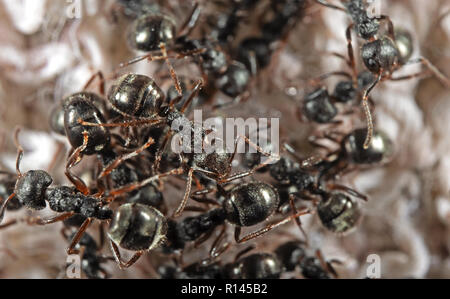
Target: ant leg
[
  {"x": 297, "y": 219},
  {"x": 74, "y": 159},
  {"x": 251, "y": 171},
  {"x": 78, "y": 235},
  {"x": 326, "y": 265},
  {"x": 174, "y": 76},
  {"x": 325, "y": 3},
  {"x": 215, "y": 250},
  {"x": 203, "y": 238},
  {"x": 269, "y": 227},
  {"x": 133, "y": 186},
  {"x": 190, "y": 22},
  {"x": 433, "y": 69},
  {"x": 9, "y": 223},
  {"x": 193, "y": 94},
  {"x": 107, "y": 170},
  {"x": 204, "y": 200},
  {"x": 123, "y": 265},
  {"x": 351, "y": 56},
  {"x": 102, "y": 82},
  {"x": 348, "y": 190},
  {"x": 367, "y": 113},
  {"x": 162, "y": 148},
  {"x": 19, "y": 151},
  {"x": 43, "y": 221},
  {"x": 125, "y": 124},
  {"x": 390, "y": 26},
  {"x": 3, "y": 208},
  {"x": 187, "y": 193},
  {"x": 244, "y": 251}
]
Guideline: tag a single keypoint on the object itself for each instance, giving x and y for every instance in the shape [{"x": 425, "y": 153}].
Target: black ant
[
  {"x": 352, "y": 152},
  {"x": 380, "y": 53},
  {"x": 292, "y": 254},
  {"x": 255, "y": 52},
  {"x": 337, "y": 211},
  {"x": 244, "y": 205},
  {"x": 32, "y": 190}
]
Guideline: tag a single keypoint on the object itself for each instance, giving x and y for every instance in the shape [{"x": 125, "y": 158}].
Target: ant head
[
  {"x": 379, "y": 150},
  {"x": 31, "y": 189},
  {"x": 137, "y": 227},
  {"x": 136, "y": 95},
  {"x": 380, "y": 55},
  {"x": 149, "y": 31},
  {"x": 318, "y": 107},
  {"x": 251, "y": 203},
  {"x": 338, "y": 212}
]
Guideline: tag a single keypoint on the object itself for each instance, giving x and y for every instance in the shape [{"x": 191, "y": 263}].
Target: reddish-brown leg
[
  {"x": 73, "y": 160},
  {"x": 78, "y": 235},
  {"x": 107, "y": 170},
  {"x": 268, "y": 228},
  {"x": 122, "y": 264},
  {"x": 98, "y": 74},
  {"x": 351, "y": 56}
]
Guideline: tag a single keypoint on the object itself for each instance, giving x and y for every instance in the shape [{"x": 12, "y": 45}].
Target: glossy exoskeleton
[{"x": 136, "y": 227}]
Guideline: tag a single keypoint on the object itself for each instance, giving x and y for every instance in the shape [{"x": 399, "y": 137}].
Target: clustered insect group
[{"x": 129, "y": 126}]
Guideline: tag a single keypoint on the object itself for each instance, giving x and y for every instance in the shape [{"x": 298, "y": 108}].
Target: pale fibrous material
[{"x": 49, "y": 54}]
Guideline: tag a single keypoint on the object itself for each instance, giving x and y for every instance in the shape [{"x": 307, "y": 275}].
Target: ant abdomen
[
  {"x": 78, "y": 108},
  {"x": 339, "y": 213},
  {"x": 256, "y": 266},
  {"x": 149, "y": 31},
  {"x": 251, "y": 203},
  {"x": 138, "y": 227},
  {"x": 136, "y": 95},
  {"x": 379, "y": 150}
]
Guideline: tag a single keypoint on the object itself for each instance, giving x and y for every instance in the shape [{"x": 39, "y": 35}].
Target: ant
[
  {"x": 352, "y": 152},
  {"x": 255, "y": 52},
  {"x": 320, "y": 106},
  {"x": 244, "y": 205},
  {"x": 337, "y": 211},
  {"x": 380, "y": 53},
  {"x": 32, "y": 190},
  {"x": 292, "y": 254}
]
